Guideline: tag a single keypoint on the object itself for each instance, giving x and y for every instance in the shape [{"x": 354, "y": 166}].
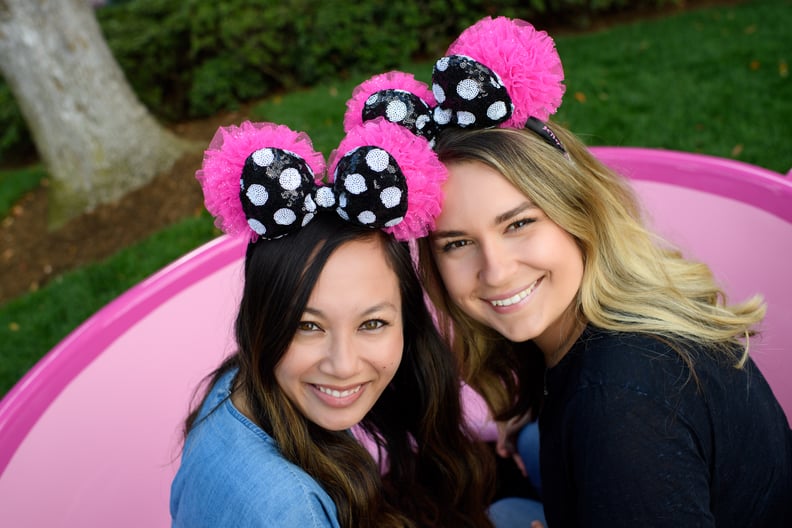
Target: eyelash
[
  {"x": 455, "y": 244},
  {"x": 519, "y": 224},
  {"x": 378, "y": 323},
  {"x": 310, "y": 326}
]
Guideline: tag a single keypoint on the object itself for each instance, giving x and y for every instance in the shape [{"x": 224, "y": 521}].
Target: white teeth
[
  {"x": 338, "y": 394},
  {"x": 515, "y": 298}
]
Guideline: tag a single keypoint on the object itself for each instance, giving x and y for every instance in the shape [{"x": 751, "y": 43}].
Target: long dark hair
[{"x": 437, "y": 474}]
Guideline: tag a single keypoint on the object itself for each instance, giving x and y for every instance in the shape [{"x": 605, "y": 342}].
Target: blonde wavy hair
[{"x": 633, "y": 280}]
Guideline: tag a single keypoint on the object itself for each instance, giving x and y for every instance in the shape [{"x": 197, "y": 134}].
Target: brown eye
[
  {"x": 456, "y": 244},
  {"x": 373, "y": 324},
  {"x": 308, "y": 326},
  {"x": 519, "y": 224}
]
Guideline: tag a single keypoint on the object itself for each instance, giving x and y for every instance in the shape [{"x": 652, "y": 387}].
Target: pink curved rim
[
  {"x": 767, "y": 190},
  {"x": 44, "y": 382}
]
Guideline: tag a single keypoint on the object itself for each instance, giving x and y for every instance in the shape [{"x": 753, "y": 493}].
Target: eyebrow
[
  {"x": 507, "y": 215},
  {"x": 374, "y": 309}
]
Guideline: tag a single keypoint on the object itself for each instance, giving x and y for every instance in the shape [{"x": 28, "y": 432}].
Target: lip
[
  {"x": 512, "y": 301},
  {"x": 335, "y": 396}
]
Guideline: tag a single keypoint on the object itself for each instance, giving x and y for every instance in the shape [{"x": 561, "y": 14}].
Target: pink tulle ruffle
[
  {"x": 422, "y": 170},
  {"x": 392, "y": 80},
  {"x": 225, "y": 158},
  {"x": 525, "y": 59}
]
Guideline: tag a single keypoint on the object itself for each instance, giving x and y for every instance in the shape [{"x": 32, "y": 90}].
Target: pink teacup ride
[{"x": 91, "y": 435}]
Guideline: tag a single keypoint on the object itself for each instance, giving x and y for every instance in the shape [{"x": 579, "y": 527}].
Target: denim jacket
[{"x": 233, "y": 475}]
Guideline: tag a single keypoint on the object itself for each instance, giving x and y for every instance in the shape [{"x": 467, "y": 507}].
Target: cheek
[
  {"x": 454, "y": 275},
  {"x": 391, "y": 357},
  {"x": 289, "y": 366}
]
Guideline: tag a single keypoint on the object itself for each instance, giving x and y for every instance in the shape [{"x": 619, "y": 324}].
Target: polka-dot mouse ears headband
[
  {"x": 498, "y": 72},
  {"x": 265, "y": 180}
]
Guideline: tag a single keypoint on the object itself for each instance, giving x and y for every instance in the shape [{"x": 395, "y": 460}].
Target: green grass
[
  {"x": 16, "y": 183},
  {"x": 713, "y": 81}
]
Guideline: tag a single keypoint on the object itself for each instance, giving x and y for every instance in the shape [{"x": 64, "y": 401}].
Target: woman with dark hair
[{"x": 332, "y": 333}]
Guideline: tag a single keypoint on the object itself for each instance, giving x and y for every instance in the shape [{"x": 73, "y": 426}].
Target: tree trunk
[{"x": 95, "y": 138}]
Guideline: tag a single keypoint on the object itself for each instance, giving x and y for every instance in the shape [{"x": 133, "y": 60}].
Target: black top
[{"x": 628, "y": 438}]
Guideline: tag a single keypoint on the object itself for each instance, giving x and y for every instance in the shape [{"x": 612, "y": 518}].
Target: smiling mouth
[
  {"x": 337, "y": 393},
  {"x": 514, "y": 299}
]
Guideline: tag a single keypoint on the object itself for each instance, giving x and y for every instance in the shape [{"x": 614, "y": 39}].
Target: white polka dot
[
  {"x": 309, "y": 204},
  {"x": 342, "y": 200},
  {"x": 442, "y": 64},
  {"x": 421, "y": 121},
  {"x": 442, "y": 116},
  {"x": 438, "y": 93},
  {"x": 355, "y": 183},
  {"x": 366, "y": 217},
  {"x": 372, "y": 99},
  {"x": 257, "y": 194},
  {"x": 257, "y": 226},
  {"x": 290, "y": 179},
  {"x": 465, "y": 118},
  {"x": 496, "y": 110},
  {"x": 263, "y": 157},
  {"x": 307, "y": 219},
  {"x": 342, "y": 214},
  {"x": 395, "y": 221},
  {"x": 284, "y": 216},
  {"x": 377, "y": 160},
  {"x": 325, "y": 197},
  {"x": 467, "y": 89},
  {"x": 396, "y": 111},
  {"x": 391, "y": 197}
]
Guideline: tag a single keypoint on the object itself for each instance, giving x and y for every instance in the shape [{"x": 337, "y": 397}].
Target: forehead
[
  {"x": 476, "y": 191},
  {"x": 356, "y": 272}
]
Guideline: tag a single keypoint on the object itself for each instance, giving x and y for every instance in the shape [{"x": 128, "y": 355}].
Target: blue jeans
[
  {"x": 513, "y": 512},
  {"x": 516, "y": 512},
  {"x": 528, "y": 449}
]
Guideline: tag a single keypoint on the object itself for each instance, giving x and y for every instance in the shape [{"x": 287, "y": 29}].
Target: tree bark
[{"x": 95, "y": 138}]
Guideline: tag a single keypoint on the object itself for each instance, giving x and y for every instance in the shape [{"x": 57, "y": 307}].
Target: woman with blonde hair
[{"x": 562, "y": 304}]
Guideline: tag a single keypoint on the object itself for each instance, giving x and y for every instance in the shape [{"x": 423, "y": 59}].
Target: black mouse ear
[
  {"x": 398, "y": 98},
  {"x": 496, "y": 55}
]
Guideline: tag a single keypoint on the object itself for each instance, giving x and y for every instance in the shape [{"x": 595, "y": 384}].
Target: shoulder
[
  {"x": 630, "y": 360},
  {"x": 620, "y": 378},
  {"x": 232, "y": 474}
]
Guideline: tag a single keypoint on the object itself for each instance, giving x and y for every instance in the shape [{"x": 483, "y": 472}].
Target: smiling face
[
  {"x": 503, "y": 261},
  {"x": 349, "y": 342}
]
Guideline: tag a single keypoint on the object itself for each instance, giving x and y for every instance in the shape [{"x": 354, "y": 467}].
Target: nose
[
  {"x": 341, "y": 357},
  {"x": 497, "y": 264}
]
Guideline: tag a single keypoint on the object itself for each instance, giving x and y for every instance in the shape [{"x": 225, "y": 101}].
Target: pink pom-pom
[
  {"x": 525, "y": 59},
  {"x": 392, "y": 80},
  {"x": 225, "y": 158},
  {"x": 422, "y": 170}
]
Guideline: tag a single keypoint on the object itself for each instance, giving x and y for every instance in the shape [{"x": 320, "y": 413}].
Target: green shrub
[{"x": 192, "y": 58}]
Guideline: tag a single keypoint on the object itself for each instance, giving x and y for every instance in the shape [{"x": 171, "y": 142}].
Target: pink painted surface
[{"x": 90, "y": 436}]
